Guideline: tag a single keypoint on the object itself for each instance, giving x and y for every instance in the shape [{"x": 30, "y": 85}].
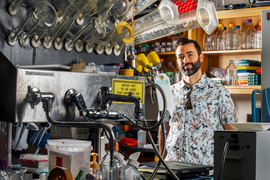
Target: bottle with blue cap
[{"x": 237, "y": 38}]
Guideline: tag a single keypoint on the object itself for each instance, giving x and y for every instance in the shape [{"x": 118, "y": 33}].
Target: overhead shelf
[
  {"x": 242, "y": 89},
  {"x": 239, "y": 13},
  {"x": 242, "y": 51}
]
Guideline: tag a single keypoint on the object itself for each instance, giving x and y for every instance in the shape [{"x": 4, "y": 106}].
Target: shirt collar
[{"x": 201, "y": 83}]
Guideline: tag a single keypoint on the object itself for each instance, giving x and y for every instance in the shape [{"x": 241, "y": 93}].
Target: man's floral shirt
[{"x": 191, "y": 136}]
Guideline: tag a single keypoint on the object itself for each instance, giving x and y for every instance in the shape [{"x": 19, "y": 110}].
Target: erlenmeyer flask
[{"x": 40, "y": 17}]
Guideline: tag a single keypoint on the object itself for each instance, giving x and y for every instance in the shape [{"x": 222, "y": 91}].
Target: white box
[{"x": 68, "y": 153}]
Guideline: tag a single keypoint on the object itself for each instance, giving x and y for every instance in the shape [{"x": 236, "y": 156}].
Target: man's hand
[{"x": 228, "y": 127}]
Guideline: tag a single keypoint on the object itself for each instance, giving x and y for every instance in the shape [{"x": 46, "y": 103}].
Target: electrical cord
[{"x": 223, "y": 157}]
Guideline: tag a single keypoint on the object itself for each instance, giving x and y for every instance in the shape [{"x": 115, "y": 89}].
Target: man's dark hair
[{"x": 184, "y": 41}]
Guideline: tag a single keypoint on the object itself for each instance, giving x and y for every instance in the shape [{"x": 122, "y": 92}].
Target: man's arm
[
  {"x": 228, "y": 127},
  {"x": 161, "y": 141}
]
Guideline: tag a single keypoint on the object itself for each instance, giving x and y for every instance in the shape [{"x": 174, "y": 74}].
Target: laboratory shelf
[
  {"x": 242, "y": 51},
  {"x": 239, "y": 13},
  {"x": 242, "y": 89}
]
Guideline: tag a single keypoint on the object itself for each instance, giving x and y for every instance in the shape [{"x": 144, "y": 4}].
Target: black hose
[
  {"x": 160, "y": 157},
  {"x": 223, "y": 158},
  {"x": 162, "y": 153},
  {"x": 163, "y": 111}
]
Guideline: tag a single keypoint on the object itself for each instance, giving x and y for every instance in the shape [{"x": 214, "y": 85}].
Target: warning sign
[{"x": 123, "y": 87}]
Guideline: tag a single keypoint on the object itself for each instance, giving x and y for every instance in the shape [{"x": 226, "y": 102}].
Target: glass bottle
[
  {"x": 229, "y": 37},
  {"x": 231, "y": 77},
  {"x": 169, "y": 47},
  {"x": 224, "y": 38},
  {"x": 171, "y": 72},
  {"x": 248, "y": 35},
  {"x": 213, "y": 42},
  {"x": 163, "y": 68},
  {"x": 157, "y": 47},
  {"x": 259, "y": 37},
  {"x": 174, "y": 41},
  {"x": 237, "y": 38},
  {"x": 163, "y": 47},
  {"x": 117, "y": 173},
  {"x": 94, "y": 173},
  {"x": 206, "y": 42},
  {"x": 219, "y": 42}
]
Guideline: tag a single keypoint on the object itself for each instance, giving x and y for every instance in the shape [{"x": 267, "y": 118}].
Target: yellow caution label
[{"x": 123, "y": 87}]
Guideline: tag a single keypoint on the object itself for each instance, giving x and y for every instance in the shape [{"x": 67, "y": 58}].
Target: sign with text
[{"x": 123, "y": 87}]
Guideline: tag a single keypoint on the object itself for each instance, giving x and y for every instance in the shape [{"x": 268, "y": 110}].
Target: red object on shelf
[
  {"x": 259, "y": 71},
  {"x": 128, "y": 142},
  {"x": 186, "y": 6}
]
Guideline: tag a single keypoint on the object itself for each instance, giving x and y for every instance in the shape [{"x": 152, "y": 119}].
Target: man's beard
[{"x": 190, "y": 71}]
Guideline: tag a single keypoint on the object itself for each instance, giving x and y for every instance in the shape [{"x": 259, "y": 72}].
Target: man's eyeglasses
[{"x": 188, "y": 104}]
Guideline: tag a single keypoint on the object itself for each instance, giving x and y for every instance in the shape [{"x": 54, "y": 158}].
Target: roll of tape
[{"x": 58, "y": 171}]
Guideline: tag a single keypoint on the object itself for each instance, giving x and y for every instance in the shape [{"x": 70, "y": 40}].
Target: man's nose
[{"x": 186, "y": 60}]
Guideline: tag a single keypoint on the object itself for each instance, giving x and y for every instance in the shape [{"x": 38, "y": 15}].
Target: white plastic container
[
  {"x": 68, "y": 153},
  {"x": 34, "y": 160},
  {"x": 141, "y": 138}
]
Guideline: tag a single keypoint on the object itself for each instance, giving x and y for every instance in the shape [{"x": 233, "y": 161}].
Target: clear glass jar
[
  {"x": 219, "y": 39},
  {"x": 229, "y": 37},
  {"x": 231, "y": 77},
  {"x": 117, "y": 173},
  {"x": 248, "y": 35}
]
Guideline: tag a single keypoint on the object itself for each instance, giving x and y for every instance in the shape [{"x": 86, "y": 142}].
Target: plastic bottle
[
  {"x": 171, "y": 72},
  {"x": 229, "y": 37},
  {"x": 174, "y": 41},
  {"x": 117, "y": 172},
  {"x": 94, "y": 173},
  {"x": 219, "y": 42},
  {"x": 248, "y": 35},
  {"x": 141, "y": 137},
  {"x": 131, "y": 170},
  {"x": 163, "y": 68},
  {"x": 237, "y": 38},
  {"x": 231, "y": 77},
  {"x": 259, "y": 37}
]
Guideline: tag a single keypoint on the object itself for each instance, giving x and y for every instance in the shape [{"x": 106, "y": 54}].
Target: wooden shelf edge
[
  {"x": 238, "y": 13},
  {"x": 233, "y": 51},
  {"x": 167, "y": 53},
  {"x": 242, "y": 89}
]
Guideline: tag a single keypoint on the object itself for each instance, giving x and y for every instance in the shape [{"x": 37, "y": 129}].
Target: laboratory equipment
[
  {"x": 243, "y": 153},
  {"x": 14, "y": 7},
  {"x": 131, "y": 170},
  {"x": 68, "y": 153},
  {"x": 94, "y": 171},
  {"x": 229, "y": 37},
  {"x": 141, "y": 137},
  {"x": 41, "y": 17},
  {"x": 117, "y": 172},
  {"x": 248, "y": 35},
  {"x": 204, "y": 16}
]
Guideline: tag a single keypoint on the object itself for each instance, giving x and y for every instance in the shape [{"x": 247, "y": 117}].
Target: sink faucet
[
  {"x": 105, "y": 98},
  {"x": 34, "y": 97}
]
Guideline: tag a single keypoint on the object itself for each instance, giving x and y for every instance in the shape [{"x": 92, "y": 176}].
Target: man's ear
[{"x": 201, "y": 57}]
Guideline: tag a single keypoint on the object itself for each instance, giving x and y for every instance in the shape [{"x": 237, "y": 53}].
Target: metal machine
[{"x": 247, "y": 156}]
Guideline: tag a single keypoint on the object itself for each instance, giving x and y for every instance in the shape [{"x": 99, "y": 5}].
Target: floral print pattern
[{"x": 191, "y": 136}]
